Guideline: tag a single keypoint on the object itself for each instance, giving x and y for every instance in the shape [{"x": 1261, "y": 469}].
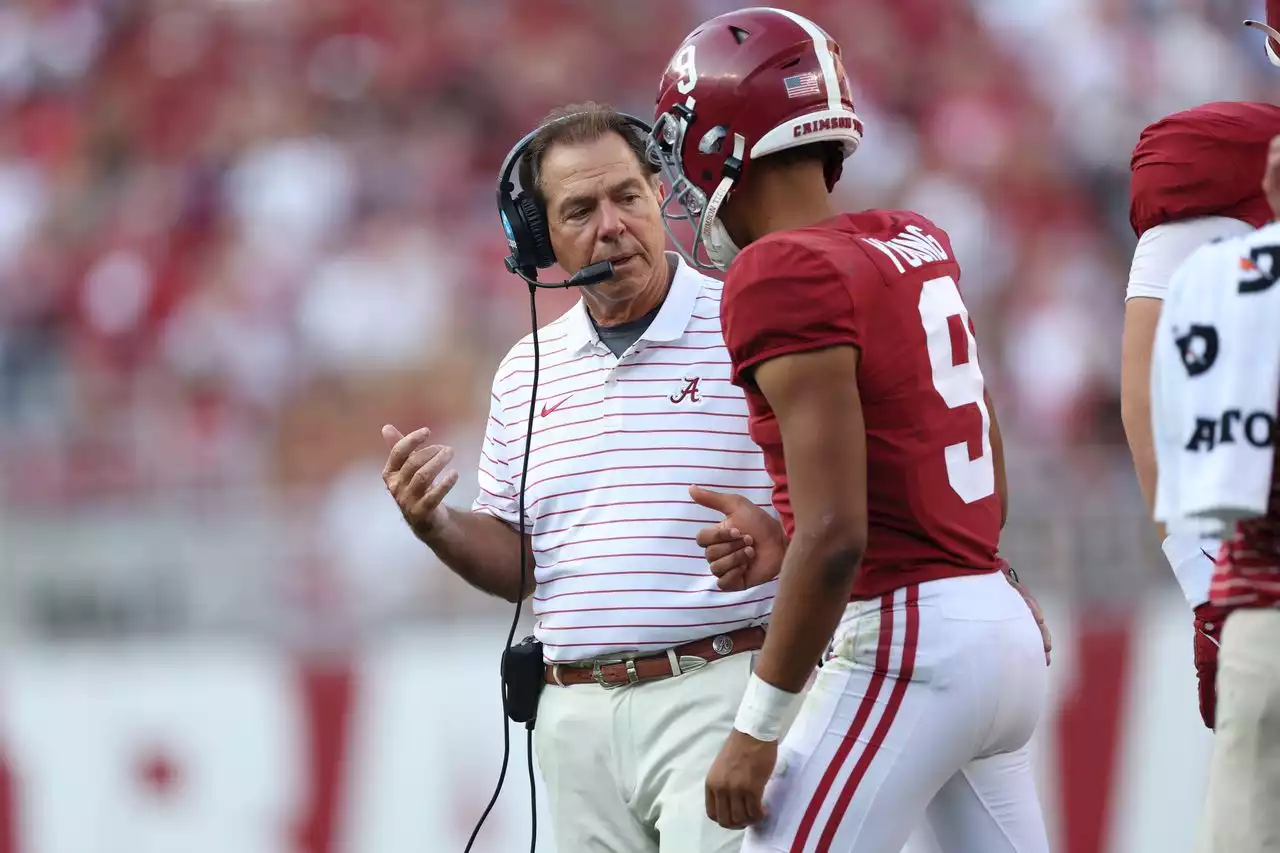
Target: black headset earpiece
[
  {"x": 539, "y": 236},
  {"x": 523, "y": 220}
]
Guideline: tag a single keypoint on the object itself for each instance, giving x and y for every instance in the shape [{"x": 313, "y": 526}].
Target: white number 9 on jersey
[
  {"x": 945, "y": 318},
  {"x": 684, "y": 65}
]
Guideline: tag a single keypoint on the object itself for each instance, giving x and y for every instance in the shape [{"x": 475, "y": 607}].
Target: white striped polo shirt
[{"x": 616, "y": 444}]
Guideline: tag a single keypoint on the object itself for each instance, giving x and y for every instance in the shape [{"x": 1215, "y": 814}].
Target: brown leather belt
[{"x": 618, "y": 672}]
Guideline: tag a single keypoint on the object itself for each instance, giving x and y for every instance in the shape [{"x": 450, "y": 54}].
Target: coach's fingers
[
  {"x": 423, "y": 467},
  {"x": 739, "y": 561},
  {"x": 421, "y": 478},
  {"x": 722, "y": 502},
  {"x": 401, "y": 448},
  {"x": 734, "y": 580},
  {"x": 402, "y": 482},
  {"x": 719, "y": 534},
  {"x": 391, "y": 435},
  {"x": 716, "y": 553},
  {"x": 419, "y": 511}
]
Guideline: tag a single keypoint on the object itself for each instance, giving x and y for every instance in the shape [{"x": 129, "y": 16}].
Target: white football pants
[{"x": 923, "y": 715}]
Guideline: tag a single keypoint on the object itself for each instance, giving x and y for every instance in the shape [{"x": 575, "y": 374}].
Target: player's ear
[{"x": 659, "y": 188}]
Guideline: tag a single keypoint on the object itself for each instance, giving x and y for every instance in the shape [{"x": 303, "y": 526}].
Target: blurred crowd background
[{"x": 238, "y": 236}]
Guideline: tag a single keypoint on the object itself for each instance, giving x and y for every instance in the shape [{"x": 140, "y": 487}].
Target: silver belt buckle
[{"x": 597, "y": 673}]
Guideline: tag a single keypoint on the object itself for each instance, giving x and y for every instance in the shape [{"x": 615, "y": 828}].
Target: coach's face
[{"x": 603, "y": 206}]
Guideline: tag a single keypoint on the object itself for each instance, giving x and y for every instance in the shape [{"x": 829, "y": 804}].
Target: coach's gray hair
[{"x": 574, "y": 124}]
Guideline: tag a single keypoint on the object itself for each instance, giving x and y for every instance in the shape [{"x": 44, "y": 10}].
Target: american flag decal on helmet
[{"x": 801, "y": 85}]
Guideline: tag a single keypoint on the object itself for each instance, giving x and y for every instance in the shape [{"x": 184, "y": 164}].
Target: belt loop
[
  {"x": 555, "y": 674},
  {"x": 674, "y": 659}
]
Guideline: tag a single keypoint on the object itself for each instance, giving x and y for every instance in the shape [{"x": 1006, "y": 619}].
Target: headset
[{"x": 529, "y": 238}]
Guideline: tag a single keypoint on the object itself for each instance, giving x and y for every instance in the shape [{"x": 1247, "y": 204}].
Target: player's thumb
[
  {"x": 391, "y": 435},
  {"x": 719, "y": 501}
]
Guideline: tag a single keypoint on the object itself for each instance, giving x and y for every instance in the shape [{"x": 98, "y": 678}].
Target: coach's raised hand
[
  {"x": 746, "y": 548},
  {"x": 412, "y": 475},
  {"x": 480, "y": 548}
]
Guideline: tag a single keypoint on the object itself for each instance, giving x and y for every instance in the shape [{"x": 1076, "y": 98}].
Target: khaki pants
[
  {"x": 626, "y": 769},
  {"x": 1242, "y": 809}
]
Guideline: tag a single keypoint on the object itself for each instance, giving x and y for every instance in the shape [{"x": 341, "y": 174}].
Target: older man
[{"x": 633, "y": 404}]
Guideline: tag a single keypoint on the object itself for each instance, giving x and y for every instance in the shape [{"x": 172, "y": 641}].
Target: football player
[
  {"x": 860, "y": 365},
  {"x": 1195, "y": 178},
  {"x": 1218, "y": 345}
]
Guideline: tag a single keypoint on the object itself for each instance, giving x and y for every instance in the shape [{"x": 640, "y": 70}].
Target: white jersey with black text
[{"x": 1215, "y": 398}]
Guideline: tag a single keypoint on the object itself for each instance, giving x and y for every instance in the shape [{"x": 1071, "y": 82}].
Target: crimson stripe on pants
[
  {"x": 912, "y": 635},
  {"x": 855, "y": 728}
]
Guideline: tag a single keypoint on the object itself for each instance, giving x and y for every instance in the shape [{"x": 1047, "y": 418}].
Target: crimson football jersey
[
  {"x": 885, "y": 282},
  {"x": 1205, "y": 161}
]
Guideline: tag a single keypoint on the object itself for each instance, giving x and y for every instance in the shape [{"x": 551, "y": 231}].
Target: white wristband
[{"x": 764, "y": 709}]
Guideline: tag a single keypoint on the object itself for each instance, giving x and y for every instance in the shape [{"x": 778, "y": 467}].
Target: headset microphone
[
  {"x": 529, "y": 238},
  {"x": 585, "y": 277}
]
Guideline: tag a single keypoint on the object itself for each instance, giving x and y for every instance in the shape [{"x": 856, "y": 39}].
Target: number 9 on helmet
[{"x": 742, "y": 86}]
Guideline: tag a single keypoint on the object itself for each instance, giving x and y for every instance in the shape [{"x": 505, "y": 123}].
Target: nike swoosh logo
[
  {"x": 1207, "y": 554},
  {"x": 546, "y": 410}
]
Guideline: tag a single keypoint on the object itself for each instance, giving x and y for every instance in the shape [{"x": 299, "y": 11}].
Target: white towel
[{"x": 1215, "y": 385}]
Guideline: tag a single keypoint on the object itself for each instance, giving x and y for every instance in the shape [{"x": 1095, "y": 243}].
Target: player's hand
[
  {"x": 1032, "y": 605},
  {"x": 735, "y": 783},
  {"x": 746, "y": 548},
  {"x": 1271, "y": 177},
  {"x": 1205, "y": 644},
  {"x": 413, "y": 477}
]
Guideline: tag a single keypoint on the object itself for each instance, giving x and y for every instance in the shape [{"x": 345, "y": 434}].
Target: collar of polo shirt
[{"x": 672, "y": 321}]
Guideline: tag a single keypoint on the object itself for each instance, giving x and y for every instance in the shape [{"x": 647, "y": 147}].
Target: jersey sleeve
[
  {"x": 781, "y": 298},
  {"x": 1162, "y": 249},
  {"x": 499, "y": 486}
]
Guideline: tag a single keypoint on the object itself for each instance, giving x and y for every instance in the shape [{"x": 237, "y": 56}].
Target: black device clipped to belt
[
  {"x": 522, "y": 679},
  {"x": 529, "y": 239}
]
